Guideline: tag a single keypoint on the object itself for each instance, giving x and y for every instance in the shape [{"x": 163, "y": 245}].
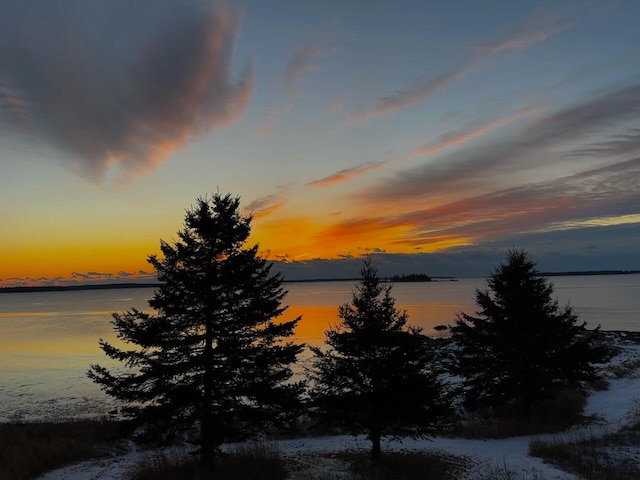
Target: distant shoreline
[
  {"x": 71, "y": 288},
  {"x": 114, "y": 286},
  {"x": 589, "y": 272}
]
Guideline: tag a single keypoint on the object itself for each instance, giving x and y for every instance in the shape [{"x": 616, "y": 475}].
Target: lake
[{"x": 50, "y": 338}]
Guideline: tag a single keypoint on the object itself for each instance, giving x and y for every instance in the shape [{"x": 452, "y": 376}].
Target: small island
[{"x": 411, "y": 277}]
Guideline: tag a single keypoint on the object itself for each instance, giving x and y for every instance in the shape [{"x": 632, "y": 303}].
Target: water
[{"x": 48, "y": 340}]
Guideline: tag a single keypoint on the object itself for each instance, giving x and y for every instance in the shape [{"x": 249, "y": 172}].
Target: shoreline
[
  {"x": 115, "y": 286},
  {"x": 611, "y": 424},
  {"x": 109, "y": 412}
]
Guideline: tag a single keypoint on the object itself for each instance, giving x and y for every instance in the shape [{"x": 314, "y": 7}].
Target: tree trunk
[
  {"x": 375, "y": 447},
  {"x": 207, "y": 453},
  {"x": 527, "y": 406}
]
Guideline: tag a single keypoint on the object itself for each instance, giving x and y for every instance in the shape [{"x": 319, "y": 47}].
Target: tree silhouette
[
  {"x": 375, "y": 375},
  {"x": 212, "y": 361},
  {"x": 521, "y": 347}
]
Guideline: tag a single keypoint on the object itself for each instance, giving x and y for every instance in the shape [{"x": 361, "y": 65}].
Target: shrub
[
  {"x": 591, "y": 457},
  {"x": 547, "y": 416},
  {"x": 406, "y": 466},
  {"x": 255, "y": 461},
  {"x": 29, "y": 449}
]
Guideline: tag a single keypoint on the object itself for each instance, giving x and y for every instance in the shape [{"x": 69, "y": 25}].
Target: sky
[{"x": 433, "y": 135}]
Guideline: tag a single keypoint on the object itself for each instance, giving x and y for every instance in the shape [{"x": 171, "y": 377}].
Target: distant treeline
[
  {"x": 67, "y": 288},
  {"x": 411, "y": 277},
  {"x": 590, "y": 272}
]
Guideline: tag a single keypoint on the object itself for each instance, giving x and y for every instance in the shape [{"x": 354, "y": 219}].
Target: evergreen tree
[
  {"x": 214, "y": 359},
  {"x": 375, "y": 377},
  {"x": 521, "y": 347}
]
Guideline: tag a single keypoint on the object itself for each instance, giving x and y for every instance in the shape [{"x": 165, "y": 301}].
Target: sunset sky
[{"x": 436, "y": 134}]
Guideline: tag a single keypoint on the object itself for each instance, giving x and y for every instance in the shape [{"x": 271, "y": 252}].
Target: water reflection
[{"x": 49, "y": 339}]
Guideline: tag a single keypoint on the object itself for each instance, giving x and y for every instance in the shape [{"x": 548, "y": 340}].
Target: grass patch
[
  {"x": 600, "y": 383},
  {"x": 405, "y": 466},
  {"x": 248, "y": 462},
  {"x": 634, "y": 426},
  {"x": 502, "y": 472},
  {"x": 610, "y": 457},
  {"x": 626, "y": 369},
  {"x": 548, "y": 416},
  {"x": 29, "y": 449},
  {"x": 306, "y": 426}
]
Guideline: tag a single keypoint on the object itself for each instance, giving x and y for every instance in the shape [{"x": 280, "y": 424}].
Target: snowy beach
[{"x": 314, "y": 458}]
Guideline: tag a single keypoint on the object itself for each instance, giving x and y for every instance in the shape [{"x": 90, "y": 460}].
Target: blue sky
[{"x": 434, "y": 134}]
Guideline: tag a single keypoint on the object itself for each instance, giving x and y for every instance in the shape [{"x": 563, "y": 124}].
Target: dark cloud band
[{"x": 118, "y": 83}]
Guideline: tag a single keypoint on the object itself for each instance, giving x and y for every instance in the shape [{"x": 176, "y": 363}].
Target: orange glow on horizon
[
  {"x": 62, "y": 262},
  {"x": 280, "y": 238},
  {"x": 303, "y": 240}
]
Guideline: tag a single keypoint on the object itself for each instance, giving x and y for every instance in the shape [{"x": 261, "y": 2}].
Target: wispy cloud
[
  {"x": 416, "y": 91},
  {"x": 31, "y": 281},
  {"x": 460, "y": 138},
  {"x": 348, "y": 174},
  {"x": 445, "y": 142},
  {"x": 266, "y": 205},
  {"x": 14, "y": 108},
  {"x": 538, "y": 28},
  {"x": 610, "y": 192},
  {"x": 542, "y": 143},
  {"x": 268, "y": 121},
  {"x": 129, "y": 100},
  {"x": 91, "y": 277},
  {"x": 304, "y": 60},
  {"x": 617, "y": 144}
]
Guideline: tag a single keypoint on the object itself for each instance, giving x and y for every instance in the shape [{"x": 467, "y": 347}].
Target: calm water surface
[{"x": 49, "y": 339}]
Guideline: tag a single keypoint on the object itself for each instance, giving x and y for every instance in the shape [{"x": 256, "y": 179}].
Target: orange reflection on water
[
  {"x": 69, "y": 346},
  {"x": 30, "y": 338},
  {"x": 315, "y": 321}
]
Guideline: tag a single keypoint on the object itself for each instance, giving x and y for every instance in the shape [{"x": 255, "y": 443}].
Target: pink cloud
[
  {"x": 413, "y": 93},
  {"x": 348, "y": 174},
  {"x": 463, "y": 137},
  {"x": 303, "y": 60},
  {"x": 266, "y": 205},
  {"x": 538, "y": 28},
  {"x": 422, "y": 151}
]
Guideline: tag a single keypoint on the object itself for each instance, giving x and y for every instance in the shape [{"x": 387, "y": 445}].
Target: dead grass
[
  {"x": 610, "y": 457},
  {"x": 405, "y": 466},
  {"x": 634, "y": 425},
  {"x": 252, "y": 462},
  {"x": 625, "y": 369},
  {"x": 29, "y": 449},
  {"x": 553, "y": 415},
  {"x": 502, "y": 472}
]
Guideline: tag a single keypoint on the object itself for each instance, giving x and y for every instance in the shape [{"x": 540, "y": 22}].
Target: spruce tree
[
  {"x": 376, "y": 375},
  {"x": 214, "y": 358},
  {"x": 521, "y": 347}
]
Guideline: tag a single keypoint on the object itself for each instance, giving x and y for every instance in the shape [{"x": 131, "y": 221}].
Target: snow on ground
[
  {"x": 486, "y": 454},
  {"x": 620, "y": 401},
  {"x": 310, "y": 458}
]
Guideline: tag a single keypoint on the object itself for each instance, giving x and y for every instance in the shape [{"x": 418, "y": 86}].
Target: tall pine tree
[
  {"x": 521, "y": 347},
  {"x": 214, "y": 359},
  {"x": 376, "y": 376}
]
